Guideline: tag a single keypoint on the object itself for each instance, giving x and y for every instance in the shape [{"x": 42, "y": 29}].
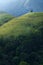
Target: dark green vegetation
[
  {"x": 4, "y": 17},
  {"x": 21, "y": 40}
]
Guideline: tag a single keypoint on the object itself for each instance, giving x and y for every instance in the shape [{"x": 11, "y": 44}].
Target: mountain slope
[
  {"x": 23, "y": 23},
  {"x": 4, "y": 17},
  {"x": 21, "y": 40}
]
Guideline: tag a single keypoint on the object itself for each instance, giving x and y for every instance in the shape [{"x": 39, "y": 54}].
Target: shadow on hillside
[{"x": 23, "y": 48}]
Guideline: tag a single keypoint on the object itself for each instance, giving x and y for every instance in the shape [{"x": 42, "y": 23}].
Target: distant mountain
[{"x": 20, "y": 7}]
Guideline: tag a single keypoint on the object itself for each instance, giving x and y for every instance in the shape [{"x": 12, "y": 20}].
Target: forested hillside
[{"x": 21, "y": 40}]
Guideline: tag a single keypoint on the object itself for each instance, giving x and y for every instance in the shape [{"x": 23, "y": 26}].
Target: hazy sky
[
  {"x": 13, "y": 6},
  {"x": 18, "y": 7},
  {"x": 5, "y": 3}
]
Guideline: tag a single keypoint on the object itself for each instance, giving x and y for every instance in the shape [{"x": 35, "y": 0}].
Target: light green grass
[
  {"x": 4, "y": 17},
  {"x": 25, "y": 24}
]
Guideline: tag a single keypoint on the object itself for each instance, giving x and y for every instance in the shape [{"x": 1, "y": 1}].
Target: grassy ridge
[
  {"x": 21, "y": 40},
  {"x": 4, "y": 17},
  {"x": 23, "y": 24}
]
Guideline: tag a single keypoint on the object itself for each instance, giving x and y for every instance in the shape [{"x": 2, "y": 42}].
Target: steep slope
[
  {"x": 22, "y": 24},
  {"x": 4, "y": 17},
  {"x": 21, "y": 39}
]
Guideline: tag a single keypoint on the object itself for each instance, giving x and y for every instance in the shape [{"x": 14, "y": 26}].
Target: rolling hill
[
  {"x": 4, "y": 17},
  {"x": 21, "y": 40}
]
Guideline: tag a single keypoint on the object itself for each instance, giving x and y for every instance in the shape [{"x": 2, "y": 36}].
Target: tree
[{"x": 31, "y": 10}]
